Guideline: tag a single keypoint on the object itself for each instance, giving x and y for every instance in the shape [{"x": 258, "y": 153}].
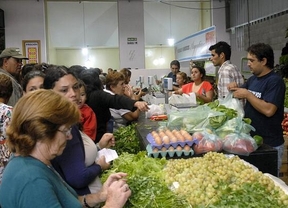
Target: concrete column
[
  {"x": 131, "y": 33},
  {"x": 219, "y": 20}
]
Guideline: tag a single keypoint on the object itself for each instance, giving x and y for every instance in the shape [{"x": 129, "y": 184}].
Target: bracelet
[{"x": 85, "y": 203}]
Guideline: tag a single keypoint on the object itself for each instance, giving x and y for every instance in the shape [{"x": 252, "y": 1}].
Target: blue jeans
[{"x": 280, "y": 150}]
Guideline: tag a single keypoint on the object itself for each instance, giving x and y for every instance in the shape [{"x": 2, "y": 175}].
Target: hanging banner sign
[{"x": 196, "y": 46}]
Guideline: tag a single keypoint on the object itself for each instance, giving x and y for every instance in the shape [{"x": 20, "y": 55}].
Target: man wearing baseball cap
[{"x": 11, "y": 65}]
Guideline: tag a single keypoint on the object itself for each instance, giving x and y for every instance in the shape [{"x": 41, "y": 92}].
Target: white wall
[{"x": 24, "y": 20}]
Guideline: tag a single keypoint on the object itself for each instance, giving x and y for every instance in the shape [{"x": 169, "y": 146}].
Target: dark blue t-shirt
[
  {"x": 173, "y": 76},
  {"x": 270, "y": 88}
]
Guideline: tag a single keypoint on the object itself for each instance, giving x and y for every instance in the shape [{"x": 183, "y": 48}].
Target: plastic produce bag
[
  {"x": 206, "y": 142},
  {"x": 184, "y": 100},
  {"x": 195, "y": 117},
  {"x": 233, "y": 103},
  {"x": 239, "y": 143},
  {"x": 198, "y": 119},
  {"x": 234, "y": 125},
  {"x": 175, "y": 119},
  {"x": 155, "y": 110}
]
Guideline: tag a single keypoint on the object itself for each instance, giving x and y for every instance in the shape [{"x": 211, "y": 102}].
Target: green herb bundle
[
  {"x": 146, "y": 181},
  {"x": 126, "y": 140}
]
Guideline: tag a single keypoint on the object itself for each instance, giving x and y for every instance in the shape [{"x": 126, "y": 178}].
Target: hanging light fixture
[{"x": 170, "y": 39}]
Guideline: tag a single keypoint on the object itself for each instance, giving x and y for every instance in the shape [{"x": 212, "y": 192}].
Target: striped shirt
[{"x": 228, "y": 73}]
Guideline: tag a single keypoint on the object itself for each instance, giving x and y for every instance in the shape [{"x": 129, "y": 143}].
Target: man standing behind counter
[
  {"x": 264, "y": 93},
  {"x": 11, "y": 65},
  {"x": 227, "y": 73},
  {"x": 175, "y": 68}
]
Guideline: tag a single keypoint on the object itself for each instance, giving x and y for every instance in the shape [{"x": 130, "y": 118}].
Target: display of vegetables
[
  {"x": 213, "y": 180},
  {"x": 126, "y": 140},
  {"x": 146, "y": 181},
  {"x": 216, "y": 180},
  {"x": 206, "y": 142},
  {"x": 285, "y": 124},
  {"x": 217, "y": 121},
  {"x": 239, "y": 143}
]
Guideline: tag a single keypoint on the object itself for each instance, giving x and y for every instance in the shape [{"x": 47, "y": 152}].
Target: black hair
[
  {"x": 27, "y": 68},
  {"x": 176, "y": 63},
  {"x": 53, "y": 74},
  {"x": 76, "y": 69},
  {"x": 222, "y": 47},
  {"x": 262, "y": 50},
  {"x": 30, "y": 75},
  {"x": 91, "y": 79},
  {"x": 201, "y": 70}
]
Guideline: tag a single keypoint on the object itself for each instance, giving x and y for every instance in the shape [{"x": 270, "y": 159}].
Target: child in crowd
[{"x": 88, "y": 117}]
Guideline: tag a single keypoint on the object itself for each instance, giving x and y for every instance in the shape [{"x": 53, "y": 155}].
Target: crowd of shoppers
[{"x": 54, "y": 134}]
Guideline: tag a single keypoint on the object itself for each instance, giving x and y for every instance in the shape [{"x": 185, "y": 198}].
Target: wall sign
[
  {"x": 131, "y": 41},
  {"x": 196, "y": 46},
  {"x": 31, "y": 49}
]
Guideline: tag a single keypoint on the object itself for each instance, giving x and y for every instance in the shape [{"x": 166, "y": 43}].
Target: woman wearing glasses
[{"x": 39, "y": 131}]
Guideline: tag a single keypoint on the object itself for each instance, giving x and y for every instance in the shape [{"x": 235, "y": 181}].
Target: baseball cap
[{"x": 12, "y": 52}]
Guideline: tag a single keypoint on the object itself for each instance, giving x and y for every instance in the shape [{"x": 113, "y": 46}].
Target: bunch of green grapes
[{"x": 215, "y": 179}]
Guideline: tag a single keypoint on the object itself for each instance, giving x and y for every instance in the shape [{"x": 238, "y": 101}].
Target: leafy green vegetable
[
  {"x": 126, "y": 140},
  {"x": 249, "y": 195},
  {"x": 146, "y": 181},
  {"x": 213, "y": 104},
  {"x": 217, "y": 121}
]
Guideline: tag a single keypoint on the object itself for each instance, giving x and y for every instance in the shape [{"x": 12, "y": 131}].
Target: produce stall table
[{"x": 264, "y": 158}]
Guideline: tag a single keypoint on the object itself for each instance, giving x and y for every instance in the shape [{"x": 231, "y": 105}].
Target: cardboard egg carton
[
  {"x": 168, "y": 153},
  {"x": 153, "y": 144}
]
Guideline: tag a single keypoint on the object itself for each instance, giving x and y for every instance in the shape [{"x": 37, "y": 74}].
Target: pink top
[{"x": 205, "y": 87}]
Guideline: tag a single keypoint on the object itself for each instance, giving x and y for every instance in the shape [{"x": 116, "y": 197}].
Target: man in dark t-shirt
[{"x": 264, "y": 93}]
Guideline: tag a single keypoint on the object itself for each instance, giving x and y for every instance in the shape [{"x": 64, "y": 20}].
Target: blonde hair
[{"x": 37, "y": 116}]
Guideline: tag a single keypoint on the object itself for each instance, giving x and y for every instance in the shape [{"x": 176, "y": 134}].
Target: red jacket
[{"x": 89, "y": 122}]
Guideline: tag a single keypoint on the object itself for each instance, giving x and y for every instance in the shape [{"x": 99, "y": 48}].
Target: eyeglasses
[
  {"x": 17, "y": 60},
  {"x": 66, "y": 132}
]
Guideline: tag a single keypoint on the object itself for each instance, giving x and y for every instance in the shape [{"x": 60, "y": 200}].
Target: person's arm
[
  {"x": 115, "y": 192},
  {"x": 209, "y": 92},
  {"x": 131, "y": 116},
  {"x": 206, "y": 99},
  {"x": 105, "y": 99},
  {"x": 225, "y": 80},
  {"x": 71, "y": 164},
  {"x": 268, "y": 109}
]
